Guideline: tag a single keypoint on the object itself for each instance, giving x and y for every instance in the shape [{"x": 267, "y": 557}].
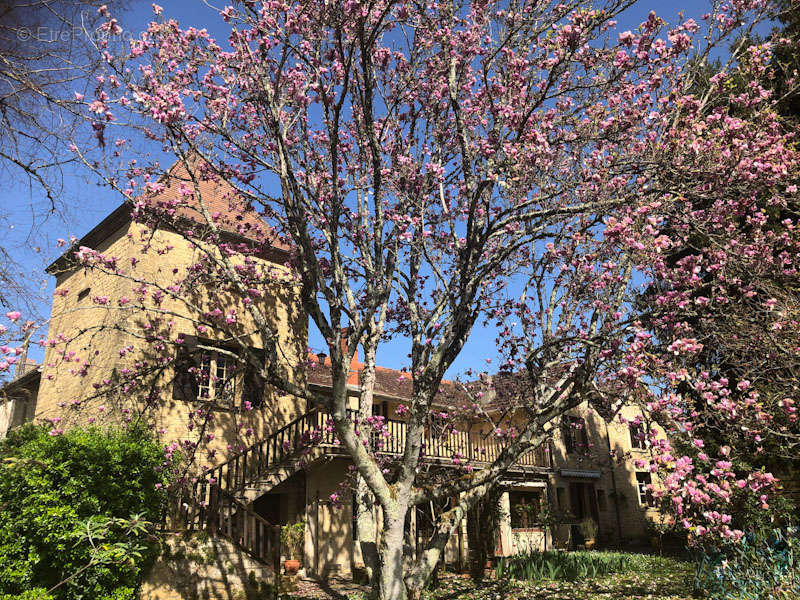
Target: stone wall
[
  {"x": 329, "y": 527},
  {"x": 613, "y": 477},
  {"x": 207, "y": 568},
  {"x": 106, "y": 339}
]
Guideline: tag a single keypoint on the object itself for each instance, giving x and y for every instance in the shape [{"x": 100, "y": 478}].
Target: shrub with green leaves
[
  {"x": 77, "y": 512},
  {"x": 765, "y": 565}
]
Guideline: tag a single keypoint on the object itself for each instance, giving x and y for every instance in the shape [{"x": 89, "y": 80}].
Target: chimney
[{"x": 352, "y": 377}]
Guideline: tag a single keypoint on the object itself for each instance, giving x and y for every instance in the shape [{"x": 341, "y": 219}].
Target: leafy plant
[
  {"x": 548, "y": 518},
  {"x": 293, "y": 537},
  {"x": 589, "y": 528},
  {"x": 77, "y": 512},
  {"x": 567, "y": 566},
  {"x": 760, "y": 567}
]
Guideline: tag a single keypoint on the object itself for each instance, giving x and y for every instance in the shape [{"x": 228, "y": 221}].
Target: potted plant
[
  {"x": 589, "y": 531},
  {"x": 293, "y": 538}
]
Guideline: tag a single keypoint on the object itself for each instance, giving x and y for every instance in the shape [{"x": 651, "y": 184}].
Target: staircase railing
[
  {"x": 252, "y": 463},
  {"x": 225, "y": 515}
]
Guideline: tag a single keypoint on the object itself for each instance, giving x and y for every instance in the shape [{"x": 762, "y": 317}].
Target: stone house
[
  {"x": 18, "y": 396},
  {"x": 256, "y": 481}
]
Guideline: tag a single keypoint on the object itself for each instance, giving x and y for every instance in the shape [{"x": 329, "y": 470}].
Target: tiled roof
[
  {"x": 218, "y": 197},
  {"x": 25, "y": 367},
  {"x": 222, "y": 202},
  {"x": 391, "y": 383},
  {"x": 28, "y": 379}
]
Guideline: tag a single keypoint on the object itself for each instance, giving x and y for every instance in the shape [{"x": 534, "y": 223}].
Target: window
[
  {"x": 205, "y": 375},
  {"x": 217, "y": 376},
  {"x": 524, "y": 509},
  {"x": 83, "y": 294},
  {"x": 215, "y": 380},
  {"x": 638, "y": 436},
  {"x": 574, "y": 432},
  {"x": 601, "y": 500},
  {"x": 643, "y": 481}
]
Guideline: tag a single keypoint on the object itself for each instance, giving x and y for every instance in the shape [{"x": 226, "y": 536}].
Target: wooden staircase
[
  {"x": 226, "y": 516},
  {"x": 267, "y": 463},
  {"x": 218, "y": 501}
]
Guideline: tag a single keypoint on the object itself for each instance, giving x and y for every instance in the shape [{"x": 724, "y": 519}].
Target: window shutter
[
  {"x": 584, "y": 435},
  {"x": 254, "y": 386},
  {"x": 184, "y": 384}
]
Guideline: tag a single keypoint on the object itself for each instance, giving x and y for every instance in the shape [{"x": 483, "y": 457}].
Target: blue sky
[{"x": 88, "y": 203}]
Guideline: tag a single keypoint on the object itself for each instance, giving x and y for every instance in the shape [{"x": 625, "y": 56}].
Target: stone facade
[
  {"x": 18, "y": 398},
  {"x": 101, "y": 331},
  {"x": 200, "y": 567},
  {"x": 600, "y": 480}
]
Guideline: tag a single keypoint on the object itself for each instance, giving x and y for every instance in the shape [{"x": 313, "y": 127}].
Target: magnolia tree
[
  {"x": 723, "y": 302},
  {"x": 15, "y": 335},
  {"x": 425, "y": 168},
  {"x": 47, "y": 62}
]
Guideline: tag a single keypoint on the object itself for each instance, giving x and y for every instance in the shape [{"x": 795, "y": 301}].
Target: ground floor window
[
  {"x": 525, "y": 508},
  {"x": 643, "y": 482}
]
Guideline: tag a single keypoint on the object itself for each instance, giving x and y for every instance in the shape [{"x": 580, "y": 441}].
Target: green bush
[
  {"x": 77, "y": 512},
  {"x": 34, "y": 594},
  {"x": 765, "y": 565}
]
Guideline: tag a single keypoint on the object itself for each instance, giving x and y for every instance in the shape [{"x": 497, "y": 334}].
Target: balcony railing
[{"x": 457, "y": 446}]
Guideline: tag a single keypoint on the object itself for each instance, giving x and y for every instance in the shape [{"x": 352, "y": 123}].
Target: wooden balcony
[{"x": 454, "y": 449}]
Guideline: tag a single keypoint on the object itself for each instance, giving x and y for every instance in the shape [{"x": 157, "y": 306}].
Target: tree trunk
[
  {"x": 390, "y": 582},
  {"x": 477, "y": 534},
  {"x": 366, "y": 529}
]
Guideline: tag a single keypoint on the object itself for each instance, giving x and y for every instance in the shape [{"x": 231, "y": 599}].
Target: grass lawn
[{"x": 652, "y": 577}]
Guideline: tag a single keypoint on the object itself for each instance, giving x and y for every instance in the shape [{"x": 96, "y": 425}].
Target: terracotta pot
[
  {"x": 589, "y": 544},
  {"x": 291, "y": 567}
]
